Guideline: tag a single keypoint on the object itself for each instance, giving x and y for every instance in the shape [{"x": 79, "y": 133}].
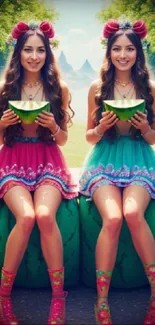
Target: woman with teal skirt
[{"x": 119, "y": 172}]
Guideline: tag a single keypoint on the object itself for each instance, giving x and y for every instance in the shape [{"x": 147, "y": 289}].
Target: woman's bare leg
[
  {"x": 19, "y": 201},
  {"x": 109, "y": 204},
  {"x": 47, "y": 200},
  {"x": 135, "y": 201}
]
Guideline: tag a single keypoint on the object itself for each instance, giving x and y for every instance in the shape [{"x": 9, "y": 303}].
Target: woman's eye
[
  {"x": 116, "y": 49},
  {"x": 27, "y": 50},
  {"x": 39, "y": 50}
]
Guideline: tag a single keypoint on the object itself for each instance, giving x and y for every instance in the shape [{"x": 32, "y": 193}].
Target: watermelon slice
[
  {"x": 124, "y": 108},
  {"x": 28, "y": 110}
]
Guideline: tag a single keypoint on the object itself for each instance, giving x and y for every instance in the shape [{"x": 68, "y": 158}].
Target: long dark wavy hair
[
  {"x": 50, "y": 75},
  {"x": 140, "y": 77}
]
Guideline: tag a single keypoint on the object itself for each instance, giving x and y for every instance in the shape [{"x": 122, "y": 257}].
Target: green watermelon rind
[
  {"x": 28, "y": 116},
  {"x": 126, "y": 113}
]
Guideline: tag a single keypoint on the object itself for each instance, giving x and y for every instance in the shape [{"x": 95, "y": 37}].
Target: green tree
[
  {"x": 12, "y": 11},
  {"x": 134, "y": 10}
]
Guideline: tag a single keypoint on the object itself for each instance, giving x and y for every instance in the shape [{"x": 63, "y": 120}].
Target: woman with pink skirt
[{"x": 31, "y": 160}]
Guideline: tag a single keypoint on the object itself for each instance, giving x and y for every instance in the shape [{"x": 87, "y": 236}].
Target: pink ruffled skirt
[{"x": 31, "y": 163}]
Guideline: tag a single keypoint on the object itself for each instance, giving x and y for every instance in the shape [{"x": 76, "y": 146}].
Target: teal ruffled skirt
[{"x": 122, "y": 162}]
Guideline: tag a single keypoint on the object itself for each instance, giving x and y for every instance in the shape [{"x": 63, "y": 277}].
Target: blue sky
[{"x": 79, "y": 31}]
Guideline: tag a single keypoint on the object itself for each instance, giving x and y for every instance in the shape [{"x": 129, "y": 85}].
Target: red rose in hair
[
  {"x": 19, "y": 29},
  {"x": 110, "y": 27},
  {"x": 139, "y": 28},
  {"x": 47, "y": 29}
]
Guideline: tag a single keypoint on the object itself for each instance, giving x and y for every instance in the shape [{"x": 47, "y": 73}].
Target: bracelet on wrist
[
  {"x": 56, "y": 132},
  {"x": 96, "y": 132},
  {"x": 145, "y": 133}
]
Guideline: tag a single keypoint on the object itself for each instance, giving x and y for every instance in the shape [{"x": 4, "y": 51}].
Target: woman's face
[
  {"x": 33, "y": 54},
  {"x": 123, "y": 53}
]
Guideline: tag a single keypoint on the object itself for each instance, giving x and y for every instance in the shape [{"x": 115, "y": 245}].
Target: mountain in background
[
  {"x": 64, "y": 65},
  {"x": 87, "y": 70},
  {"x": 76, "y": 78}
]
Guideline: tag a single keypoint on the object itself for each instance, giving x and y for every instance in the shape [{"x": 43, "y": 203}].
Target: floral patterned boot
[
  {"x": 7, "y": 316},
  {"x": 7, "y": 280},
  {"x": 102, "y": 314},
  {"x": 150, "y": 316},
  {"x": 102, "y": 311},
  {"x": 57, "y": 308}
]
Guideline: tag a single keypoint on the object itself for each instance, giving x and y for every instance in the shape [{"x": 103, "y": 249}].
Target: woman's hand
[
  {"x": 47, "y": 120},
  {"x": 9, "y": 118},
  {"x": 140, "y": 121},
  {"x": 107, "y": 121}
]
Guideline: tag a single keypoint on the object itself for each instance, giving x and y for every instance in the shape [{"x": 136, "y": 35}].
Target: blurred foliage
[
  {"x": 54, "y": 43},
  {"x": 13, "y": 11}
]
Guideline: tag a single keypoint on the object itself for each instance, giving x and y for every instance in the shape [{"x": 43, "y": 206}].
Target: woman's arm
[
  {"x": 94, "y": 133},
  {"x": 8, "y": 118},
  {"x": 91, "y": 137},
  {"x": 149, "y": 135},
  {"x": 47, "y": 120},
  {"x": 1, "y": 124},
  {"x": 61, "y": 134}
]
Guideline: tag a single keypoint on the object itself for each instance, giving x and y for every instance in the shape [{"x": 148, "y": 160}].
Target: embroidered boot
[
  {"x": 102, "y": 314},
  {"x": 57, "y": 308},
  {"x": 102, "y": 311},
  {"x": 7, "y": 280},
  {"x": 7, "y": 316},
  {"x": 150, "y": 316}
]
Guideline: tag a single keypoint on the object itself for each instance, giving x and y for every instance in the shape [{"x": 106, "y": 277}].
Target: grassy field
[{"x": 76, "y": 148}]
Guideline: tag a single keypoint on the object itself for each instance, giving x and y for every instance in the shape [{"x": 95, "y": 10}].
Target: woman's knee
[
  {"x": 133, "y": 217},
  {"x": 45, "y": 221},
  {"x": 26, "y": 223},
  {"x": 113, "y": 224}
]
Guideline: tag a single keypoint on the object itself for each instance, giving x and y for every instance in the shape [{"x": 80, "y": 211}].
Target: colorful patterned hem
[
  {"x": 31, "y": 180},
  {"x": 64, "y": 194},
  {"x": 90, "y": 181}
]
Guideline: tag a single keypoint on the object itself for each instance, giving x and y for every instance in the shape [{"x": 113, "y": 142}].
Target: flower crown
[
  {"x": 112, "y": 26},
  {"x": 45, "y": 27}
]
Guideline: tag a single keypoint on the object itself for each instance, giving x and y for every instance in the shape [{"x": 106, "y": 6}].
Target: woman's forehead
[
  {"x": 122, "y": 40},
  {"x": 34, "y": 40}
]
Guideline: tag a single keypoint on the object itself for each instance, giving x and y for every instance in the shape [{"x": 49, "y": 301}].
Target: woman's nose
[
  {"x": 34, "y": 55},
  {"x": 123, "y": 53}
]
